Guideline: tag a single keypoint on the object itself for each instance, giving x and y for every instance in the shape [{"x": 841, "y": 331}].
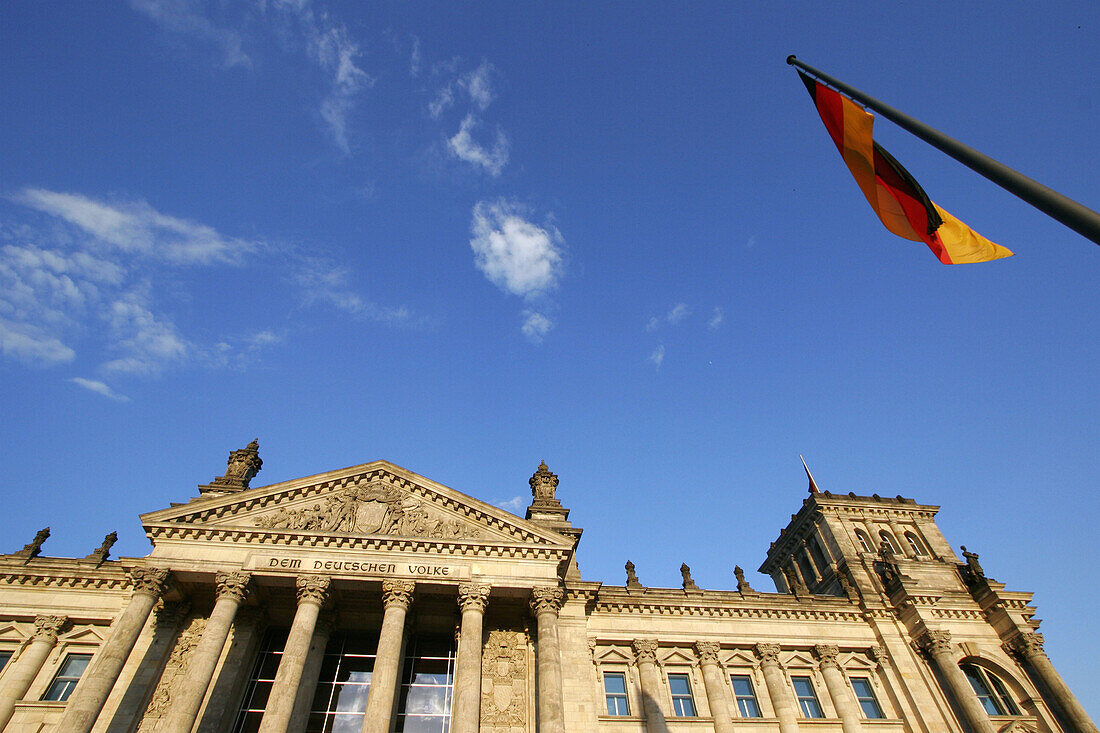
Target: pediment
[
  {"x": 676, "y": 657},
  {"x": 738, "y": 658},
  {"x": 614, "y": 655},
  {"x": 798, "y": 659},
  {"x": 82, "y": 635},
  {"x": 10, "y": 632},
  {"x": 377, "y": 499}
]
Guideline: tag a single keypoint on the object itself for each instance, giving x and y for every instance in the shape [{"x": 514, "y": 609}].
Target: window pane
[
  {"x": 1002, "y": 692},
  {"x": 614, "y": 682},
  {"x": 981, "y": 689},
  {"x": 682, "y": 704},
  {"x": 866, "y": 697},
  {"x": 67, "y": 677},
  {"x": 807, "y": 699},
  {"x": 614, "y": 685},
  {"x": 678, "y": 683},
  {"x": 4, "y": 657},
  {"x": 745, "y": 696}
]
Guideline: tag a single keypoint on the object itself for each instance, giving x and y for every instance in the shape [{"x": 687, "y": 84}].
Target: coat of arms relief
[
  {"x": 504, "y": 682},
  {"x": 371, "y": 508}
]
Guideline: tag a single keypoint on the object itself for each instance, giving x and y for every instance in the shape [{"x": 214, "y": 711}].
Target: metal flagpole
[{"x": 1077, "y": 217}]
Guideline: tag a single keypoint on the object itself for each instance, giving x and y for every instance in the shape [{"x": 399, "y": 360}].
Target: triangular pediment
[{"x": 376, "y": 499}]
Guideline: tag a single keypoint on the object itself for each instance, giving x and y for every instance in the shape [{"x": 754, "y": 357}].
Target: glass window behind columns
[
  {"x": 427, "y": 684},
  {"x": 260, "y": 681},
  {"x": 342, "y": 686}
]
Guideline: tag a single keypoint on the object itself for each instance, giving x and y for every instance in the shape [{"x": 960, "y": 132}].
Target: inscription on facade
[{"x": 357, "y": 567}]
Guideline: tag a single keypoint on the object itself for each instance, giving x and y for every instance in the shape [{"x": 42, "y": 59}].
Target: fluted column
[
  {"x": 87, "y": 700},
  {"x": 839, "y": 692},
  {"x": 26, "y": 667},
  {"x": 545, "y": 604},
  {"x": 939, "y": 647},
  {"x": 645, "y": 656},
  {"x": 1029, "y": 645},
  {"x": 187, "y": 699},
  {"x": 396, "y": 598},
  {"x": 312, "y": 591},
  {"x": 779, "y": 691},
  {"x": 466, "y": 717},
  {"x": 311, "y": 671},
  {"x": 714, "y": 681}
]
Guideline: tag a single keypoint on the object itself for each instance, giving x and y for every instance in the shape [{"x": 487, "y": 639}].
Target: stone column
[
  {"x": 1029, "y": 645},
  {"x": 466, "y": 717},
  {"x": 645, "y": 655},
  {"x": 714, "y": 681},
  {"x": 187, "y": 699},
  {"x": 783, "y": 702},
  {"x": 839, "y": 692},
  {"x": 303, "y": 701},
  {"x": 396, "y": 598},
  {"x": 87, "y": 700},
  {"x": 820, "y": 571},
  {"x": 312, "y": 590},
  {"x": 899, "y": 535},
  {"x": 545, "y": 604},
  {"x": 939, "y": 647},
  {"x": 872, "y": 533},
  {"x": 27, "y": 666}
]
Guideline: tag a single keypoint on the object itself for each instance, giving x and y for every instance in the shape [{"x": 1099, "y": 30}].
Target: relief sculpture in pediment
[{"x": 373, "y": 508}]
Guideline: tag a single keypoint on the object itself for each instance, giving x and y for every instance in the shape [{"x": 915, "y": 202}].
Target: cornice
[
  {"x": 68, "y": 575},
  {"x": 721, "y": 604}
]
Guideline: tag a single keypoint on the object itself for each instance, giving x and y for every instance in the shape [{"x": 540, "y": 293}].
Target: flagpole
[{"x": 1077, "y": 217}]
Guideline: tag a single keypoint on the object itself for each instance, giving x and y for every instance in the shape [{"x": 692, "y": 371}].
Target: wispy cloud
[
  {"x": 148, "y": 342},
  {"x": 517, "y": 256},
  {"x": 322, "y": 281},
  {"x": 514, "y": 505},
  {"x": 464, "y": 147},
  {"x": 99, "y": 388},
  {"x": 334, "y": 50},
  {"x": 675, "y": 315},
  {"x": 716, "y": 318},
  {"x": 657, "y": 356},
  {"x": 478, "y": 84},
  {"x": 186, "y": 18},
  {"x": 31, "y": 345},
  {"x": 414, "y": 57},
  {"x": 535, "y": 326}
]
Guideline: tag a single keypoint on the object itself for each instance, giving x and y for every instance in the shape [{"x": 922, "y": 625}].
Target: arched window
[
  {"x": 864, "y": 541},
  {"x": 889, "y": 539},
  {"x": 916, "y": 544},
  {"x": 991, "y": 691}
]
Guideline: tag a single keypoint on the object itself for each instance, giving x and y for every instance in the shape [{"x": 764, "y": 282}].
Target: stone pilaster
[
  {"x": 714, "y": 681},
  {"x": 938, "y": 646},
  {"x": 312, "y": 591},
  {"x": 23, "y": 671},
  {"x": 232, "y": 589},
  {"x": 466, "y": 715},
  {"x": 839, "y": 692},
  {"x": 645, "y": 656},
  {"x": 545, "y": 604},
  {"x": 396, "y": 599},
  {"x": 779, "y": 691},
  {"x": 1029, "y": 647},
  {"x": 87, "y": 700}
]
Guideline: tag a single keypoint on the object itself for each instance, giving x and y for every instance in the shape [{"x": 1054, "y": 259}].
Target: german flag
[{"x": 901, "y": 204}]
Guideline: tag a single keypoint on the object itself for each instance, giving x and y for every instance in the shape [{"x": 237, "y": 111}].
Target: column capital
[
  {"x": 149, "y": 581},
  {"x": 645, "y": 650},
  {"x": 707, "y": 651},
  {"x": 879, "y": 653},
  {"x": 1026, "y": 644},
  {"x": 826, "y": 655},
  {"x": 936, "y": 643},
  {"x": 768, "y": 654},
  {"x": 46, "y": 628},
  {"x": 473, "y": 596},
  {"x": 397, "y": 593},
  {"x": 312, "y": 588},
  {"x": 547, "y": 599},
  {"x": 232, "y": 585}
]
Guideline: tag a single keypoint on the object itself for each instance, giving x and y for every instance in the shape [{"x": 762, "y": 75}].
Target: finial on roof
[
  {"x": 543, "y": 483},
  {"x": 34, "y": 547},
  {"x": 241, "y": 467}
]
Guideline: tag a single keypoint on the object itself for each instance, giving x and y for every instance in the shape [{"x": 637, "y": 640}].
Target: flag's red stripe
[{"x": 831, "y": 108}]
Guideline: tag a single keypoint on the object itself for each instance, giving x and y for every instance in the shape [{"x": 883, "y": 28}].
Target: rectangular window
[
  {"x": 67, "y": 677},
  {"x": 614, "y": 687},
  {"x": 682, "y": 704},
  {"x": 866, "y": 697},
  {"x": 745, "y": 696},
  {"x": 4, "y": 657},
  {"x": 807, "y": 699},
  {"x": 260, "y": 681},
  {"x": 427, "y": 685}
]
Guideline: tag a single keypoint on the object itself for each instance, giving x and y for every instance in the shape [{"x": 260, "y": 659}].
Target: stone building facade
[{"x": 374, "y": 599}]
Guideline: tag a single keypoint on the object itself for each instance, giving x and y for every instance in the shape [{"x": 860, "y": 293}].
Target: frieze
[{"x": 355, "y": 566}]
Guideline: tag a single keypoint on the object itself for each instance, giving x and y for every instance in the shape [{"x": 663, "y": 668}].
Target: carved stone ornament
[
  {"x": 173, "y": 672},
  {"x": 32, "y": 548},
  {"x": 150, "y": 581},
  {"x": 46, "y": 628},
  {"x": 1027, "y": 644},
  {"x": 313, "y": 588},
  {"x": 879, "y": 654},
  {"x": 375, "y": 507},
  {"x": 937, "y": 642},
  {"x": 631, "y": 578},
  {"x": 742, "y": 584},
  {"x": 504, "y": 697},
  {"x": 241, "y": 467},
  {"x": 233, "y": 585},
  {"x": 645, "y": 650},
  {"x": 707, "y": 651},
  {"x": 473, "y": 596},
  {"x": 543, "y": 483},
  {"x": 101, "y": 553},
  {"x": 685, "y": 573},
  {"x": 826, "y": 655},
  {"x": 397, "y": 593},
  {"x": 547, "y": 599},
  {"x": 767, "y": 653}
]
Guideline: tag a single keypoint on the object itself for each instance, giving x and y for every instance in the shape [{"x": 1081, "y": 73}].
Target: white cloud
[
  {"x": 678, "y": 313},
  {"x": 322, "y": 281},
  {"x": 30, "y": 345},
  {"x": 536, "y": 326},
  {"x": 479, "y": 86},
  {"x": 414, "y": 57},
  {"x": 182, "y": 16},
  {"x": 443, "y": 99},
  {"x": 137, "y": 228},
  {"x": 514, "y": 505},
  {"x": 334, "y": 51},
  {"x": 147, "y": 342},
  {"x": 99, "y": 388},
  {"x": 657, "y": 356},
  {"x": 653, "y": 324},
  {"x": 464, "y": 147},
  {"x": 517, "y": 256},
  {"x": 716, "y": 318}
]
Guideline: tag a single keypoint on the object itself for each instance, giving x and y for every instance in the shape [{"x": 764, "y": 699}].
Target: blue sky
[{"x": 615, "y": 237}]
